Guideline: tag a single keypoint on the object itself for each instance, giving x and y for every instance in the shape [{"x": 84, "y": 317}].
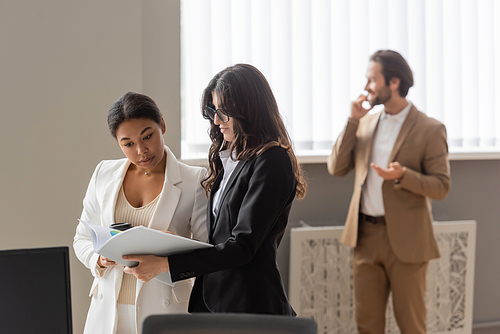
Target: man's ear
[{"x": 394, "y": 84}]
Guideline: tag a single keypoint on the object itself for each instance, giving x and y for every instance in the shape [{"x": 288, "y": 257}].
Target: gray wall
[{"x": 62, "y": 63}]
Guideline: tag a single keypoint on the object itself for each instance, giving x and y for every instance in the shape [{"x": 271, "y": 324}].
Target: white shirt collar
[
  {"x": 400, "y": 116},
  {"x": 228, "y": 161}
]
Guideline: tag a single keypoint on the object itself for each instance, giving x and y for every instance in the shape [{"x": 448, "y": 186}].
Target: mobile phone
[{"x": 120, "y": 226}]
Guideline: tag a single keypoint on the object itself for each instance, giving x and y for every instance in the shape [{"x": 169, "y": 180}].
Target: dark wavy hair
[
  {"x": 131, "y": 106},
  {"x": 394, "y": 66},
  {"x": 245, "y": 95}
]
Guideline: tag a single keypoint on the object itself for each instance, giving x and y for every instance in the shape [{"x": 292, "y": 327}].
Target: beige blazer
[
  {"x": 181, "y": 209},
  {"x": 422, "y": 148}
]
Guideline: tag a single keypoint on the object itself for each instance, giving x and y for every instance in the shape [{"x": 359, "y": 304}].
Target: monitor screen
[{"x": 36, "y": 295}]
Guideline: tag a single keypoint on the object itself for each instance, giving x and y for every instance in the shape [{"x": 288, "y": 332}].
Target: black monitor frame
[{"x": 37, "y": 291}]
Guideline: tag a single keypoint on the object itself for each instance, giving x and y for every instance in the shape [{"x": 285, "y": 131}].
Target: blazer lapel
[
  {"x": 365, "y": 147},
  {"x": 111, "y": 194},
  {"x": 170, "y": 194},
  {"x": 371, "y": 127},
  {"x": 408, "y": 124},
  {"x": 228, "y": 186},
  {"x": 167, "y": 203},
  {"x": 210, "y": 210}
]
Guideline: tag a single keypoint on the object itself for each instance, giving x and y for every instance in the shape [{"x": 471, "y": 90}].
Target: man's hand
[
  {"x": 149, "y": 266},
  {"x": 395, "y": 171},
  {"x": 357, "y": 110}
]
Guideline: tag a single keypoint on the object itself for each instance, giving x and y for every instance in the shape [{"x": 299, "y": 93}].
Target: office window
[{"x": 315, "y": 54}]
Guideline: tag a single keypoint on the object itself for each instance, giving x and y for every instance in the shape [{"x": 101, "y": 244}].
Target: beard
[{"x": 382, "y": 97}]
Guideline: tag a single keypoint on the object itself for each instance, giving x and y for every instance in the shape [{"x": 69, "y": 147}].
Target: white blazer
[{"x": 181, "y": 209}]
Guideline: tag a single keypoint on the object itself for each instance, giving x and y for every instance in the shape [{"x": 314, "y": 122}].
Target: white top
[
  {"x": 126, "y": 213},
  {"x": 228, "y": 164},
  {"x": 387, "y": 132}
]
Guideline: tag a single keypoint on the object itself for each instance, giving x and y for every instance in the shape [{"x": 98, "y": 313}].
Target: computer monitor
[
  {"x": 36, "y": 295},
  {"x": 227, "y": 323}
]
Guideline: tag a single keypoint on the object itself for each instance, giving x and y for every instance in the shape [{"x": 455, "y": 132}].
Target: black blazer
[{"x": 240, "y": 274}]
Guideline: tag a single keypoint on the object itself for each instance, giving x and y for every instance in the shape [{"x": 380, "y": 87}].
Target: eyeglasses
[{"x": 211, "y": 112}]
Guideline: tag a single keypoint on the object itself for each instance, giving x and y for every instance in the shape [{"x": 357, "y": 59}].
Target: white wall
[{"x": 62, "y": 64}]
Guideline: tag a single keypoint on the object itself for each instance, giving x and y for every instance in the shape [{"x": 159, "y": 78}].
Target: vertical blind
[{"x": 315, "y": 55}]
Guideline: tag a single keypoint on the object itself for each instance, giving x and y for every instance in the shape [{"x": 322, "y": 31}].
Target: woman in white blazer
[{"x": 151, "y": 188}]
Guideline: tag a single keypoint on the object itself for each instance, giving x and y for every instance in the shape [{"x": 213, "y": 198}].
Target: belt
[{"x": 371, "y": 219}]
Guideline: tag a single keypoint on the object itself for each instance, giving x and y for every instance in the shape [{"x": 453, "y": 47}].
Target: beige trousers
[{"x": 377, "y": 271}]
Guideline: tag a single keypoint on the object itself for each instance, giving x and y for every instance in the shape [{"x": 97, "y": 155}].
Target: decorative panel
[{"x": 321, "y": 280}]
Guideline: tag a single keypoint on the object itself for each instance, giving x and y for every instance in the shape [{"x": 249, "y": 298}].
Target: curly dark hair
[{"x": 246, "y": 96}]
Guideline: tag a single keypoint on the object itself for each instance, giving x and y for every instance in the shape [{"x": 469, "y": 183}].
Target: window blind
[{"x": 315, "y": 55}]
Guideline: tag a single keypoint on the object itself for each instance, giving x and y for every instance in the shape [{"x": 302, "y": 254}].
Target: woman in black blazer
[{"x": 253, "y": 178}]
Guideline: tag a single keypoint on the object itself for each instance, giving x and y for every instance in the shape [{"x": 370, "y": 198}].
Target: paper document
[{"x": 138, "y": 240}]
